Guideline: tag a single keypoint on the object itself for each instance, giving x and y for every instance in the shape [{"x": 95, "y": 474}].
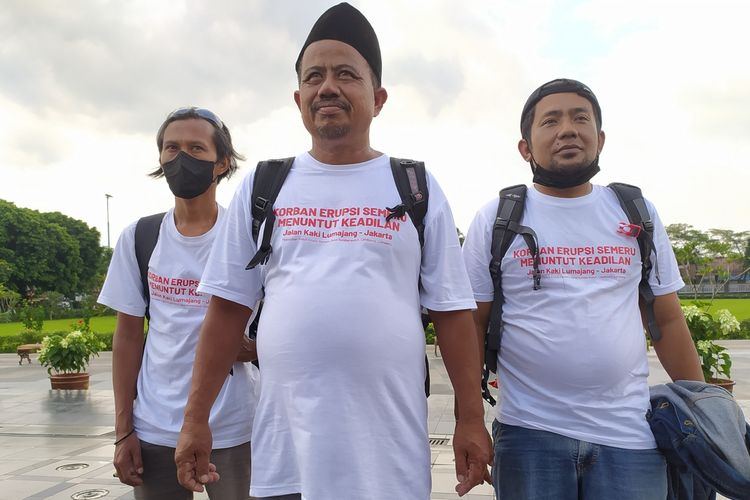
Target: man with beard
[
  {"x": 342, "y": 410},
  {"x": 571, "y": 422}
]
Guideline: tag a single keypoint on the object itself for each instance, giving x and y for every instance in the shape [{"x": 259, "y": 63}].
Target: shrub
[
  {"x": 70, "y": 353},
  {"x": 705, "y": 328},
  {"x": 744, "y": 332},
  {"x": 9, "y": 343},
  {"x": 429, "y": 334},
  {"x": 106, "y": 339},
  {"x": 32, "y": 317}
]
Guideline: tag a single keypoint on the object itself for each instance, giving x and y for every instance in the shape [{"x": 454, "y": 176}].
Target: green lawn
[
  {"x": 103, "y": 324},
  {"x": 739, "y": 307},
  {"x": 106, "y": 324}
]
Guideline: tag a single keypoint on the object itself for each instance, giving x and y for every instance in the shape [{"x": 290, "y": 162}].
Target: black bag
[{"x": 411, "y": 181}]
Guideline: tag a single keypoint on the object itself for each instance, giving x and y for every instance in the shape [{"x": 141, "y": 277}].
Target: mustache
[
  {"x": 330, "y": 102},
  {"x": 568, "y": 148}
]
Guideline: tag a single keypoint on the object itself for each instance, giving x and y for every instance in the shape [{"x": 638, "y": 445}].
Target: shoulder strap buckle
[
  {"x": 269, "y": 178},
  {"x": 260, "y": 203},
  {"x": 411, "y": 182}
]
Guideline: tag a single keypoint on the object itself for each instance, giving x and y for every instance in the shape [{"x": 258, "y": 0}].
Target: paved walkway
[{"x": 58, "y": 444}]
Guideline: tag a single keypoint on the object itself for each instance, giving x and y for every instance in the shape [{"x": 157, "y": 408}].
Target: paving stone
[{"x": 41, "y": 429}]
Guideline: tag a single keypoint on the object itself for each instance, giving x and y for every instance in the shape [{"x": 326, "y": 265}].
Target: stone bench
[{"x": 24, "y": 350}]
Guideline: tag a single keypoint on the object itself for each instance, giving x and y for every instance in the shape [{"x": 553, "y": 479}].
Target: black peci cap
[
  {"x": 346, "y": 24},
  {"x": 560, "y": 86}
]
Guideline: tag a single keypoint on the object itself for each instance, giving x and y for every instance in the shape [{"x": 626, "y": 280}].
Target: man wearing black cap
[
  {"x": 342, "y": 412},
  {"x": 571, "y": 422}
]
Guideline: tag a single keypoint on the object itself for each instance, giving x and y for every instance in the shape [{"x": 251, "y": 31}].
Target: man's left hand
[{"x": 472, "y": 447}]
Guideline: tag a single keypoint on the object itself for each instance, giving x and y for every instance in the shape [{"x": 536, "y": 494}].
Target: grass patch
[
  {"x": 9, "y": 343},
  {"x": 739, "y": 307},
  {"x": 99, "y": 324}
]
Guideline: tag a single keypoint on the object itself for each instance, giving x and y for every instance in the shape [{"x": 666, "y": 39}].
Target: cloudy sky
[{"x": 84, "y": 85}]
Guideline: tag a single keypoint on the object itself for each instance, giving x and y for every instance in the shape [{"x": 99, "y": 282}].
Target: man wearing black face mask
[
  {"x": 151, "y": 382},
  {"x": 571, "y": 420}
]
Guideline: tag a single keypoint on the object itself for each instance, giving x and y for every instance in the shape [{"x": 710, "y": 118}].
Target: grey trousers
[{"x": 160, "y": 474}]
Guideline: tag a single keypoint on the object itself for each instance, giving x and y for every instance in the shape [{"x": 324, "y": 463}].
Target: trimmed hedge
[
  {"x": 744, "y": 332},
  {"x": 11, "y": 342},
  {"x": 97, "y": 324},
  {"x": 429, "y": 334}
]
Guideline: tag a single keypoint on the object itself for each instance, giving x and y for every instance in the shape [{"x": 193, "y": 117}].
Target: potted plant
[
  {"x": 68, "y": 356},
  {"x": 705, "y": 328}
]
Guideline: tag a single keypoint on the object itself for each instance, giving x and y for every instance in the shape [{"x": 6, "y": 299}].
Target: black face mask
[
  {"x": 563, "y": 180},
  {"x": 188, "y": 177}
]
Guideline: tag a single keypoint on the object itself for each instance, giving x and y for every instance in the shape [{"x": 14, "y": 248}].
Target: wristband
[{"x": 124, "y": 437}]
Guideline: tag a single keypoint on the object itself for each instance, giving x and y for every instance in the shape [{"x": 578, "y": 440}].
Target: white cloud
[{"x": 86, "y": 84}]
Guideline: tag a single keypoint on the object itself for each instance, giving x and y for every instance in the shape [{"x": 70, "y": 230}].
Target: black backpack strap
[
  {"x": 507, "y": 225},
  {"x": 269, "y": 177},
  {"x": 642, "y": 227},
  {"x": 146, "y": 236},
  {"x": 411, "y": 181}
]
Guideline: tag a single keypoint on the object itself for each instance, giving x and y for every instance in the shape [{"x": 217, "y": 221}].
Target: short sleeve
[
  {"x": 669, "y": 279},
  {"x": 445, "y": 284},
  {"x": 477, "y": 253},
  {"x": 225, "y": 275},
  {"x": 123, "y": 289}
]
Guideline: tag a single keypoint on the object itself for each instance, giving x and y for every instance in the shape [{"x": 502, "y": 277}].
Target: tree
[
  {"x": 53, "y": 304},
  {"x": 88, "y": 246},
  {"x": 38, "y": 255},
  {"x": 727, "y": 248},
  {"x": 8, "y": 299},
  {"x": 688, "y": 244},
  {"x": 101, "y": 270},
  {"x": 706, "y": 256}
]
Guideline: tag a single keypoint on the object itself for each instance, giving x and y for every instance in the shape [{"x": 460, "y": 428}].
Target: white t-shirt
[
  {"x": 177, "y": 311},
  {"x": 573, "y": 355},
  {"x": 342, "y": 410}
]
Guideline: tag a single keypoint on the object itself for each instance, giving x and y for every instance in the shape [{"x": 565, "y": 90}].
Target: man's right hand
[
  {"x": 192, "y": 455},
  {"x": 248, "y": 351},
  {"x": 127, "y": 461},
  {"x": 472, "y": 448}
]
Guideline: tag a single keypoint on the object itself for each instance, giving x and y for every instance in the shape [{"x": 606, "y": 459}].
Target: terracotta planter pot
[
  {"x": 70, "y": 380},
  {"x": 724, "y": 383}
]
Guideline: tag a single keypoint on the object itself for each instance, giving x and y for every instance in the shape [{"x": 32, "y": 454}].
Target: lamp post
[{"x": 108, "y": 196}]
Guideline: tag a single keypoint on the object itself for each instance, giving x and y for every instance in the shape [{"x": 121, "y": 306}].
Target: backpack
[
  {"x": 411, "y": 181},
  {"x": 409, "y": 175},
  {"x": 146, "y": 236},
  {"x": 507, "y": 225}
]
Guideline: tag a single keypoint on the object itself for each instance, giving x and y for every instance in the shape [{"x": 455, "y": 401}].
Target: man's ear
[
  {"x": 601, "y": 142},
  {"x": 381, "y": 95},
  {"x": 296, "y": 99},
  {"x": 524, "y": 149},
  {"x": 220, "y": 167}
]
